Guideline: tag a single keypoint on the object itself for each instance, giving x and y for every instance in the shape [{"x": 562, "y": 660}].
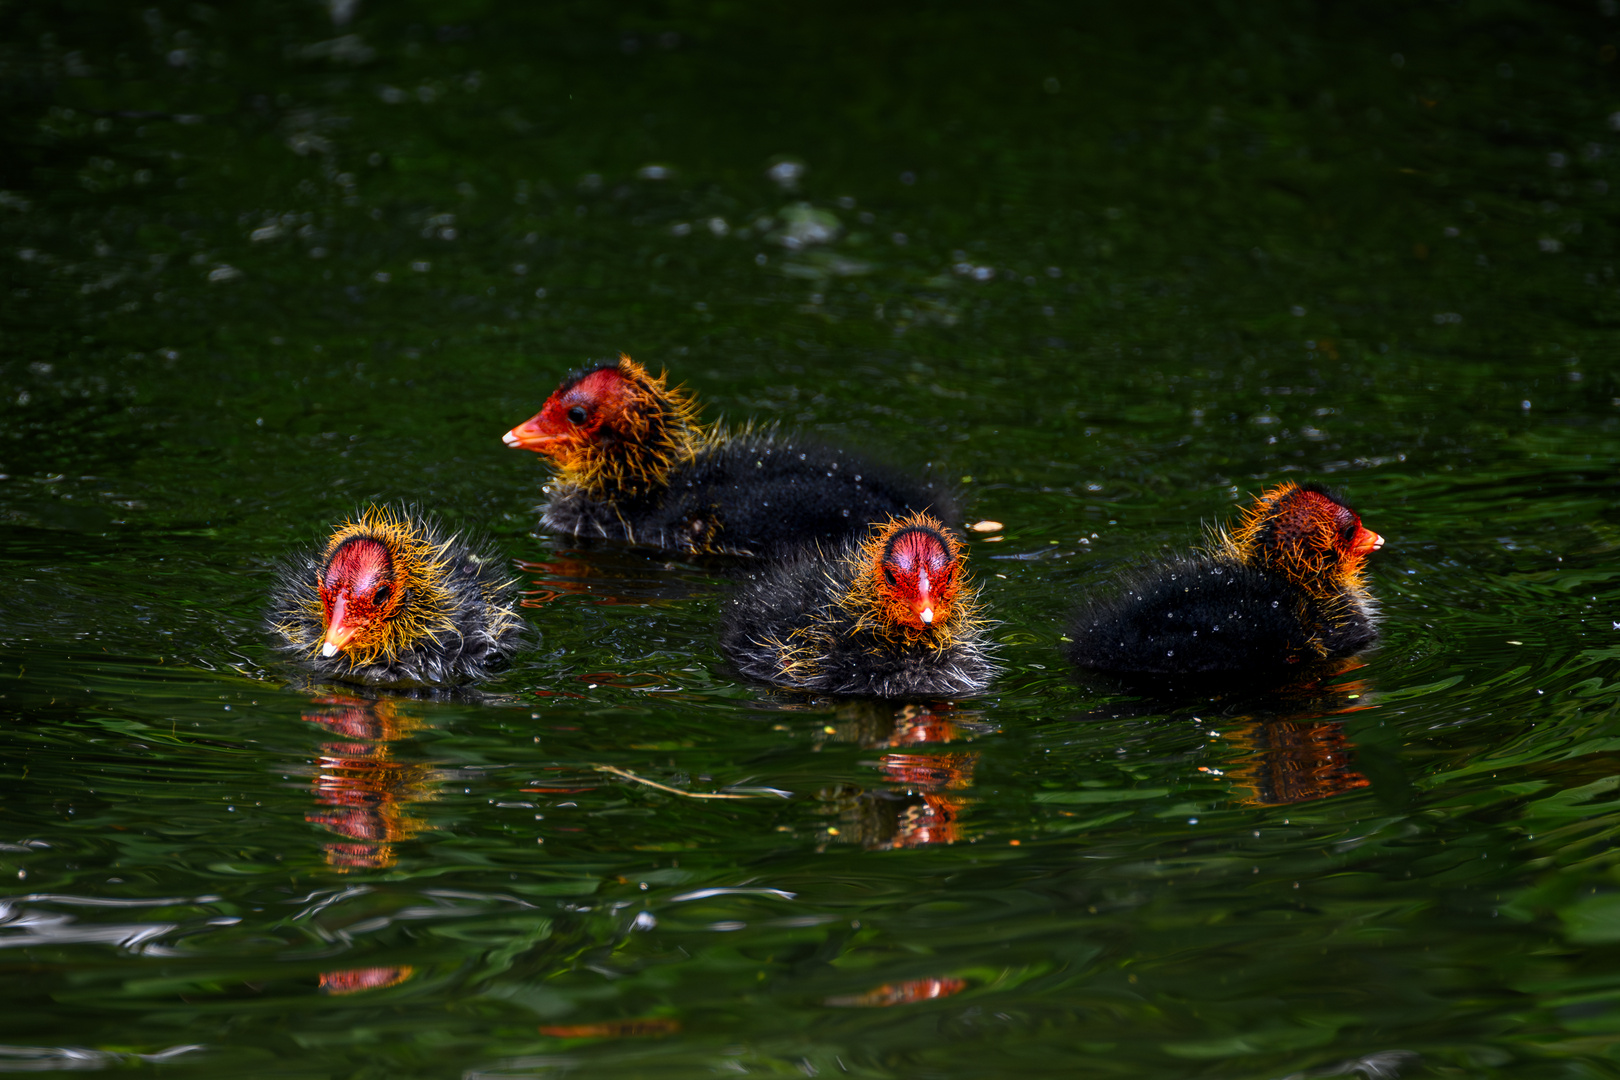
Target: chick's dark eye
[
  {"x": 380, "y": 597},
  {"x": 576, "y": 415}
]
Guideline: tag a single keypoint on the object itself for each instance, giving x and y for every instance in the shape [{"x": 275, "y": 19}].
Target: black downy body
[
  {"x": 799, "y": 600},
  {"x": 486, "y": 628},
  {"x": 757, "y": 493},
  {"x": 1203, "y": 615}
]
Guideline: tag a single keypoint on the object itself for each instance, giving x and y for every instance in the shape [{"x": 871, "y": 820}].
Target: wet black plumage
[
  {"x": 831, "y": 622},
  {"x": 634, "y": 464},
  {"x": 1281, "y": 588},
  {"x": 447, "y": 618},
  {"x": 759, "y": 493},
  {"x": 1203, "y": 615}
]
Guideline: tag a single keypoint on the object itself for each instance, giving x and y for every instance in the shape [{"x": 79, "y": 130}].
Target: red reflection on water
[
  {"x": 930, "y": 771},
  {"x": 903, "y": 993},
  {"x": 634, "y": 680},
  {"x": 875, "y": 724},
  {"x": 916, "y": 810},
  {"x": 1302, "y": 756},
  {"x": 355, "y": 980},
  {"x": 932, "y": 821},
  {"x": 1320, "y": 697},
  {"x": 1294, "y": 762},
  {"x": 365, "y": 790},
  {"x": 916, "y": 726},
  {"x": 357, "y": 718},
  {"x": 613, "y": 1029},
  {"x": 559, "y": 785},
  {"x": 568, "y": 577}
]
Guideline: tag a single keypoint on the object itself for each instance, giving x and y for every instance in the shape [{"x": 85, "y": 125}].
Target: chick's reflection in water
[
  {"x": 359, "y": 980},
  {"x": 922, "y": 804},
  {"x": 1293, "y": 762},
  {"x": 364, "y": 793},
  {"x": 607, "y": 577},
  {"x": 1302, "y": 755}
]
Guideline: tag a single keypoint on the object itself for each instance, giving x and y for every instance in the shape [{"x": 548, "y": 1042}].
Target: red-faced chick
[
  {"x": 391, "y": 600},
  {"x": 633, "y": 463},
  {"x": 1282, "y": 587},
  {"x": 894, "y": 615}
]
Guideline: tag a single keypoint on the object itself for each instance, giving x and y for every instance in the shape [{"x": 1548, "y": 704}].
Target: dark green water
[{"x": 1108, "y": 268}]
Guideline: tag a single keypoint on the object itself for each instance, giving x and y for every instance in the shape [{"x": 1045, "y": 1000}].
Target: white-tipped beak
[
  {"x": 927, "y": 616},
  {"x": 338, "y": 629},
  {"x": 1378, "y": 541},
  {"x": 511, "y": 439}
]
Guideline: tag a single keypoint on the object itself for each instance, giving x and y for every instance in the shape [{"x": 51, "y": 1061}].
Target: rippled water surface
[{"x": 1105, "y": 269}]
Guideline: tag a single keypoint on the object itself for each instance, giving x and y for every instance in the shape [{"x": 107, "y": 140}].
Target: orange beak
[
  {"x": 338, "y": 632},
  {"x": 530, "y": 435},
  {"x": 1367, "y": 542},
  {"x": 923, "y": 605}
]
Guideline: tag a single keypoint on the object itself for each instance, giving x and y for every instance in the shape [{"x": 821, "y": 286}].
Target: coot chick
[
  {"x": 1284, "y": 586},
  {"x": 633, "y": 463},
  {"x": 892, "y": 615},
  {"x": 391, "y": 600}
]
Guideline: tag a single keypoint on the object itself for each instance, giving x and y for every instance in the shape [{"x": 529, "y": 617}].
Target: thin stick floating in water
[{"x": 628, "y": 775}]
